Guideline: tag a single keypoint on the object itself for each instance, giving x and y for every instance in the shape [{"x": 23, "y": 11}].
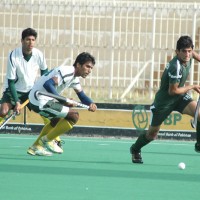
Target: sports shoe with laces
[
  {"x": 136, "y": 156},
  {"x": 51, "y": 146},
  {"x": 60, "y": 143},
  {"x": 197, "y": 147},
  {"x": 38, "y": 151}
]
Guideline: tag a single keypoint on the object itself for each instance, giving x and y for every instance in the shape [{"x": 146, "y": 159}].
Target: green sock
[
  {"x": 198, "y": 132},
  {"x": 140, "y": 142}
]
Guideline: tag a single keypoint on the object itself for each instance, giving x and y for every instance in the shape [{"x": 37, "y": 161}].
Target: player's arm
[
  {"x": 174, "y": 89},
  {"x": 50, "y": 85},
  {"x": 11, "y": 77},
  {"x": 42, "y": 64},
  {"x": 86, "y": 100},
  {"x": 196, "y": 56}
]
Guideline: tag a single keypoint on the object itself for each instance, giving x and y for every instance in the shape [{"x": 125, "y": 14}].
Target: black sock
[{"x": 140, "y": 142}]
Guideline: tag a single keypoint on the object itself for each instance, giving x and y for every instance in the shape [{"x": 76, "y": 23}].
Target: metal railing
[{"x": 122, "y": 35}]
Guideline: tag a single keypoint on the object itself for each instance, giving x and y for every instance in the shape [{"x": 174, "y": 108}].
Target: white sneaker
[
  {"x": 38, "y": 151},
  {"x": 60, "y": 143},
  {"x": 52, "y": 146}
]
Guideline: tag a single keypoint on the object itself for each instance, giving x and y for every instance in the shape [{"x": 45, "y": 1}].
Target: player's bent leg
[
  {"x": 48, "y": 141},
  {"x": 46, "y": 129},
  {"x": 58, "y": 141},
  {"x": 36, "y": 148},
  {"x": 4, "y": 109},
  {"x": 64, "y": 125},
  {"x": 143, "y": 140},
  {"x": 72, "y": 117},
  {"x": 52, "y": 145}
]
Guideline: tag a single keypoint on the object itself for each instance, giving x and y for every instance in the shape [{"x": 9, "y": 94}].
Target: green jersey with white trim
[{"x": 174, "y": 73}]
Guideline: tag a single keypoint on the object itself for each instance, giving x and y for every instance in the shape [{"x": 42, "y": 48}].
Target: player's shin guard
[
  {"x": 61, "y": 127},
  {"x": 140, "y": 142}
]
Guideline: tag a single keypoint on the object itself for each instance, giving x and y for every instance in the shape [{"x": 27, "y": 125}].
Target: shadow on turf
[
  {"x": 67, "y": 171},
  {"x": 54, "y": 158},
  {"x": 172, "y": 153},
  {"x": 37, "y": 159}
]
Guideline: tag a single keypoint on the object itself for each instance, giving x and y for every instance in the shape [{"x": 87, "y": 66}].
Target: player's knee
[
  {"x": 5, "y": 108},
  {"x": 151, "y": 136},
  {"x": 72, "y": 117},
  {"x": 54, "y": 121},
  {"x": 3, "y": 113}
]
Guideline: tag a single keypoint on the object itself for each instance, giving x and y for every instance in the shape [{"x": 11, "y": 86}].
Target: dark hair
[
  {"x": 29, "y": 32},
  {"x": 184, "y": 42},
  {"x": 84, "y": 57}
]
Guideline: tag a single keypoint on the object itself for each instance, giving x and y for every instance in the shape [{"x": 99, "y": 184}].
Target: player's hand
[
  {"x": 17, "y": 108},
  {"x": 197, "y": 88},
  {"x": 92, "y": 107},
  {"x": 70, "y": 103}
]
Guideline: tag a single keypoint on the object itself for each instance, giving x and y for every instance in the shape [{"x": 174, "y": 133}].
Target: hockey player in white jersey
[
  {"x": 62, "y": 117},
  {"x": 22, "y": 69}
]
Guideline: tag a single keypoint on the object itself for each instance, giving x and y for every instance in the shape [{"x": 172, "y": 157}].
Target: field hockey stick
[
  {"x": 13, "y": 114},
  {"x": 61, "y": 99},
  {"x": 194, "y": 121}
]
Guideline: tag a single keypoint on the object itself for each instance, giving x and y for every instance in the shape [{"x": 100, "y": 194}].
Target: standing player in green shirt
[{"x": 172, "y": 96}]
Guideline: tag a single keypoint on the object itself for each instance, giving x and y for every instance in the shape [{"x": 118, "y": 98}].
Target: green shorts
[
  {"x": 51, "y": 110},
  {"x": 7, "y": 97},
  {"x": 160, "y": 114}
]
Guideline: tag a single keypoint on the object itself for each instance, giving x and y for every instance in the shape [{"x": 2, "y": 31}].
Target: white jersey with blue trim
[{"x": 66, "y": 79}]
